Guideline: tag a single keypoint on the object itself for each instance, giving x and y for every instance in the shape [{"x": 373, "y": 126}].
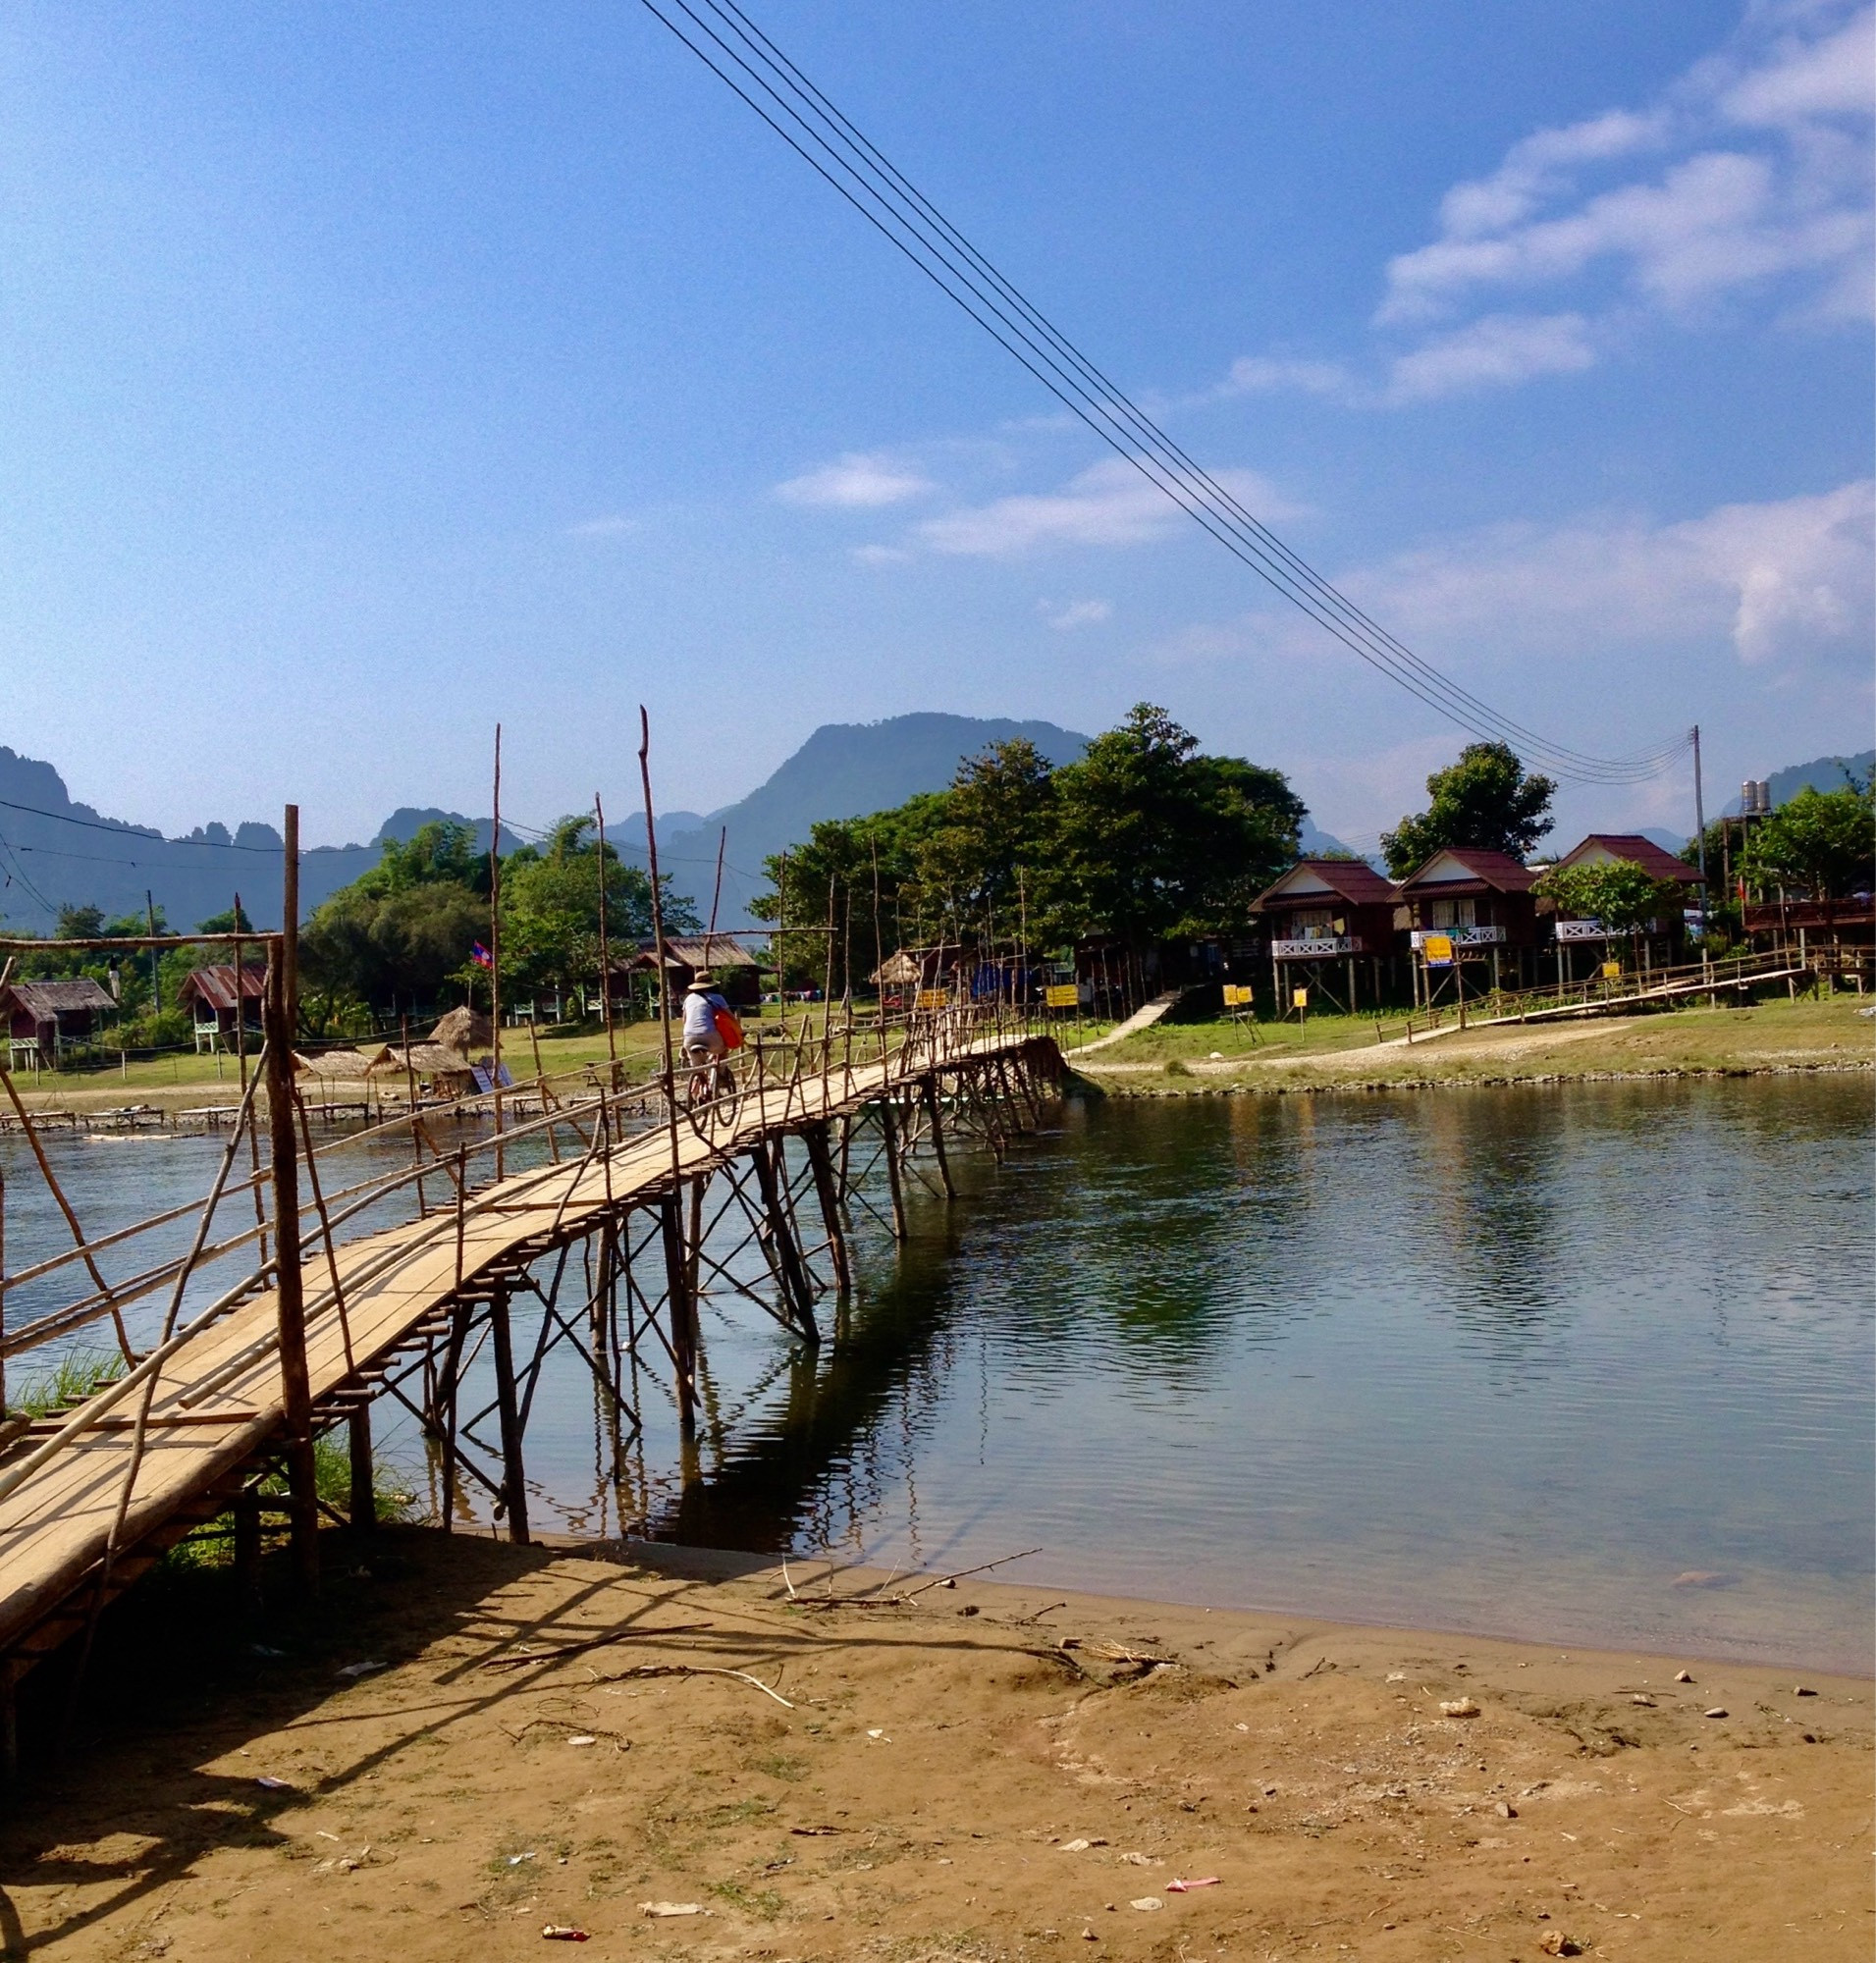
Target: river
[{"x": 1591, "y": 1364}]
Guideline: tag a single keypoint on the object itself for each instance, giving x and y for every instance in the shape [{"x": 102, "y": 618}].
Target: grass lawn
[{"x": 1331, "y": 1051}]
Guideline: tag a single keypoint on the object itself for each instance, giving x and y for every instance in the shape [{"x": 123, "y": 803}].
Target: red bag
[{"x": 728, "y": 1028}]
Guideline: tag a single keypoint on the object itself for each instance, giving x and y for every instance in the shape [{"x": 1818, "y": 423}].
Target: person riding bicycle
[{"x": 703, "y": 1040}]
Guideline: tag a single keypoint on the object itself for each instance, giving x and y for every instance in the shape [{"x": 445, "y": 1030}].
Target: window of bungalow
[
  {"x": 1312, "y": 922},
  {"x": 1450, "y": 913}
]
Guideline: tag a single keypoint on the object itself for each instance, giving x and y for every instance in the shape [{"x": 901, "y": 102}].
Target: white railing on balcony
[
  {"x": 1463, "y": 936},
  {"x": 1318, "y": 947},
  {"x": 1582, "y": 929}
]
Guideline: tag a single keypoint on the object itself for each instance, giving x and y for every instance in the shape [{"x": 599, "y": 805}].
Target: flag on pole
[{"x": 481, "y": 956}]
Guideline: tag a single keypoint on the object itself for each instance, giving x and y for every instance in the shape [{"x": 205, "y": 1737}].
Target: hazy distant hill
[
  {"x": 1822, "y": 773},
  {"x": 844, "y": 769},
  {"x": 55, "y": 852}
]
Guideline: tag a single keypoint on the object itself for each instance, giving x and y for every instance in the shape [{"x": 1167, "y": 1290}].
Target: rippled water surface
[{"x": 1591, "y": 1363}]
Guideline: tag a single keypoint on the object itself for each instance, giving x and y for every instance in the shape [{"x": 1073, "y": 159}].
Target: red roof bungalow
[
  {"x": 1482, "y": 901},
  {"x": 42, "y": 1017},
  {"x": 1604, "y": 848},
  {"x": 1322, "y": 909},
  {"x": 1330, "y": 910},
  {"x": 217, "y": 996}
]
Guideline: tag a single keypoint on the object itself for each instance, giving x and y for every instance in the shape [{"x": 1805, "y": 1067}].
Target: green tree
[
  {"x": 1619, "y": 894},
  {"x": 549, "y": 909},
  {"x": 1486, "y": 800},
  {"x": 443, "y": 852},
  {"x": 864, "y": 875},
  {"x": 1821, "y": 842},
  {"x": 1152, "y": 840}
]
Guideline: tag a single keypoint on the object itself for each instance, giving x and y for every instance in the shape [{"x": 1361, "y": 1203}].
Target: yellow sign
[
  {"x": 933, "y": 998},
  {"x": 1612, "y": 971},
  {"x": 1299, "y": 998},
  {"x": 1438, "y": 950},
  {"x": 1063, "y": 995},
  {"x": 1236, "y": 995}
]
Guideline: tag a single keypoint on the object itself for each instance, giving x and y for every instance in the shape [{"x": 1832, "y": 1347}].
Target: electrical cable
[{"x": 886, "y": 199}]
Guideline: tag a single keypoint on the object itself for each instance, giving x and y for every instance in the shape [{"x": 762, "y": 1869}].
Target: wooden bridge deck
[{"x": 218, "y": 1399}]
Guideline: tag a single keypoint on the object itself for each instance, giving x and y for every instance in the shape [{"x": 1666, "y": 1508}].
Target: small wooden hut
[
  {"x": 221, "y": 1000},
  {"x": 734, "y": 966},
  {"x": 43, "y": 1017},
  {"x": 463, "y": 1031}
]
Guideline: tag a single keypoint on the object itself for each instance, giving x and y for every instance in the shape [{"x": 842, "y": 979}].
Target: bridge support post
[
  {"x": 246, "y": 1511},
  {"x": 514, "y": 1472},
  {"x": 820, "y": 1164},
  {"x": 928, "y": 1087},
  {"x": 798, "y": 1296},
  {"x": 443, "y": 1412},
  {"x": 364, "y": 1494},
  {"x": 889, "y": 1126},
  {"x": 683, "y": 1328},
  {"x": 296, "y": 1390}
]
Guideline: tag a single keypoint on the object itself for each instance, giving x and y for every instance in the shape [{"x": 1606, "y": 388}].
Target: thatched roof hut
[
  {"x": 442, "y": 1071},
  {"x": 350, "y": 1066},
  {"x": 463, "y": 1030}
]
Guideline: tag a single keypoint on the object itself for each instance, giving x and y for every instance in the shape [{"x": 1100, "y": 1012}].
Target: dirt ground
[{"x": 556, "y": 1739}]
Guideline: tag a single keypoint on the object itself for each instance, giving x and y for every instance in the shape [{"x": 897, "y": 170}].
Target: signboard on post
[
  {"x": 1612, "y": 971},
  {"x": 933, "y": 998},
  {"x": 1062, "y": 995},
  {"x": 1438, "y": 950},
  {"x": 1237, "y": 995},
  {"x": 1299, "y": 998}
]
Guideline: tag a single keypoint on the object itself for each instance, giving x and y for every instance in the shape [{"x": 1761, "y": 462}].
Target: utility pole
[
  {"x": 1700, "y": 829},
  {"x": 156, "y": 991}
]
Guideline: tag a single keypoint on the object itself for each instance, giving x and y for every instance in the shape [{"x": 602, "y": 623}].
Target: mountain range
[{"x": 56, "y": 852}]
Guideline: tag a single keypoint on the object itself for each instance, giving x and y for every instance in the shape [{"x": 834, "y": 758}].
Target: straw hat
[{"x": 703, "y": 979}]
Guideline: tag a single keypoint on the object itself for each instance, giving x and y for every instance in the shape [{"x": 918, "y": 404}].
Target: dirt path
[{"x": 989, "y": 1772}]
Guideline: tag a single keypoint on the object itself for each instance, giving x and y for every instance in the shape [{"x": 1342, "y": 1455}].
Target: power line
[{"x": 830, "y": 144}]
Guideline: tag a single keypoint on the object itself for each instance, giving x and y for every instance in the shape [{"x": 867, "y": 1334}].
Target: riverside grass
[
  {"x": 1342, "y": 1053},
  {"x": 1327, "y": 1052}
]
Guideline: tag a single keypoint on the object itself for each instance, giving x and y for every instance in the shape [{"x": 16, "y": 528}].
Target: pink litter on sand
[{"x": 1185, "y": 1888}]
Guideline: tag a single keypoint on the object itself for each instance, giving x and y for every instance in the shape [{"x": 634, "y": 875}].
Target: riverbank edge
[
  {"x": 809, "y": 1576},
  {"x": 1192, "y": 1084}
]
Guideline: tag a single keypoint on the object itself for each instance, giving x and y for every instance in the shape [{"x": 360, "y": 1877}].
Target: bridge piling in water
[{"x": 655, "y": 1196}]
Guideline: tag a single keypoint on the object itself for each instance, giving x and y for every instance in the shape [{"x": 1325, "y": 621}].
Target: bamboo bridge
[{"x": 616, "y": 1211}]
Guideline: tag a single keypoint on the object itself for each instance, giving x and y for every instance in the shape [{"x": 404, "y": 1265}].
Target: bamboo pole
[
  {"x": 513, "y": 1474},
  {"x": 658, "y": 936},
  {"x": 928, "y": 1084},
  {"x": 288, "y": 1284},
  {"x": 820, "y": 1164},
  {"x": 241, "y": 1054},
  {"x": 605, "y": 947},
  {"x": 70, "y": 1218},
  {"x": 495, "y": 951}
]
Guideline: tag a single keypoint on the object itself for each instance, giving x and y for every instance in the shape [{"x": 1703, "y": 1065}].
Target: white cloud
[
  {"x": 874, "y": 554},
  {"x": 856, "y": 481},
  {"x": 1500, "y": 350},
  {"x": 616, "y": 527},
  {"x": 1765, "y": 179},
  {"x": 1257, "y": 374},
  {"x": 1786, "y": 582},
  {"x": 1111, "y": 503},
  {"x": 1075, "y": 613}
]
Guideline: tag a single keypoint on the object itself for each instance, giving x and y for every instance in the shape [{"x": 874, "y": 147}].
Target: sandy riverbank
[{"x": 990, "y": 1772}]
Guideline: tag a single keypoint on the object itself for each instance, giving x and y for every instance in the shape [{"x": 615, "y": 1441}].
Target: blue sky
[{"x": 370, "y": 374}]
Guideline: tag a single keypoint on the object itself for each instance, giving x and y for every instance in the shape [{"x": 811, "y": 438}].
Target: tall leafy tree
[
  {"x": 1152, "y": 840},
  {"x": 1820, "y": 842},
  {"x": 1485, "y": 800}
]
